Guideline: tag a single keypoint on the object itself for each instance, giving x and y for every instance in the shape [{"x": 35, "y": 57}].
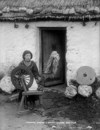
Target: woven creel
[
  {"x": 71, "y": 91},
  {"x": 98, "y": 92},
  {"x": 85, "y": 90}
]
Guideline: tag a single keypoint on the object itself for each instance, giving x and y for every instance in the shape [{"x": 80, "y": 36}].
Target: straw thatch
[
  {"x": 52, "y": 9},
  {"x": 45, "y": 3}
]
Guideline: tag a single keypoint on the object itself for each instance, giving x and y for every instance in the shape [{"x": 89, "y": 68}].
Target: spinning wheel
[{"x": 20, "y": 72}]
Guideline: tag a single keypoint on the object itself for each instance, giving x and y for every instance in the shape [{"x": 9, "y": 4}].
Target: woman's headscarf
[{"x": 27, "y": 52}]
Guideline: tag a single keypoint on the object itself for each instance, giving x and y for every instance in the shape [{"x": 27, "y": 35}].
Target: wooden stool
[{"x": 28, "y": 93}]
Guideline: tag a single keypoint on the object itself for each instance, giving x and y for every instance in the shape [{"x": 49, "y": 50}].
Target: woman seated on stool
[{"x": 31, "y": 65}]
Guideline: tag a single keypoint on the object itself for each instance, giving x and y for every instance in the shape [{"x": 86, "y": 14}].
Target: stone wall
[
  {"x": 82, "y": 44},
  {"x": 13, "y": 41}
]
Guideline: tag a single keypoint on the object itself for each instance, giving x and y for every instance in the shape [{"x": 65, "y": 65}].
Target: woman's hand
[
  {"x": 40, "y": 88},
  {"x": 38, "y": 79}
]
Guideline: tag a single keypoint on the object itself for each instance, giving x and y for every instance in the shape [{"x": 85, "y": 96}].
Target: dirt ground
[
  {"x": 73, "y": 114},
  {"x": 9, "y": 120}
]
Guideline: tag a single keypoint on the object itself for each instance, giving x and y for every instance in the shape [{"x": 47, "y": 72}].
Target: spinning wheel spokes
[
  {"x": 20, "y": 72},
  {"x": 27, "y": 79}
]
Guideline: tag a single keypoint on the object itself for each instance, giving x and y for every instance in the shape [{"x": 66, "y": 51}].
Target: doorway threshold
[{"x": 59, "y": 87}]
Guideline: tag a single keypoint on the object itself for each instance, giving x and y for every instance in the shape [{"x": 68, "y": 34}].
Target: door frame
[{"x": 41, "y": 48}]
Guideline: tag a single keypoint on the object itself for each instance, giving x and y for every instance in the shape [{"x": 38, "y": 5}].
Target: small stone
[
  {"x": 54, "y": 127},
  {"x": 89, "y": 127}
]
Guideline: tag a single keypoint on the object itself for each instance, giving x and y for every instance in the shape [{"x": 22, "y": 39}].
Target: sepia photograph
[{"x": 49, "y": 64}]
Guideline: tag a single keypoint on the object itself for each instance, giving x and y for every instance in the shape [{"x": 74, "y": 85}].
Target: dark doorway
[{"x": 53, "y": 37}]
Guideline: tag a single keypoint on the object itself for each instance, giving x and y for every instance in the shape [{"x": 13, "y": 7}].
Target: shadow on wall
[{"x": 1, "y": 75}]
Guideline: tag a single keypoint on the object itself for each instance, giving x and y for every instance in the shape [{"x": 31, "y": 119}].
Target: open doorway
[{"x": 54, "y": 37}]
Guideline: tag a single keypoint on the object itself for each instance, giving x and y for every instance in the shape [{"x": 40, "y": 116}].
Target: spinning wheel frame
[{"x": 20, "y": 72}]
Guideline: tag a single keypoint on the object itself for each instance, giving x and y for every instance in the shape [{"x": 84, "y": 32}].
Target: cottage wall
[
  {"x": 82, "y": 44},
  {"x": 83, "y": 48},
  {"x": 13, "y": 41}
]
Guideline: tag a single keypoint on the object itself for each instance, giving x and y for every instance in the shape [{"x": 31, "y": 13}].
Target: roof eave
[{"x": 70, "y": 18}]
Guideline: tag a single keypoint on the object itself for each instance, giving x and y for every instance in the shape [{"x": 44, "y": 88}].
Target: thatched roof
[{"x": 49, "y": 9}]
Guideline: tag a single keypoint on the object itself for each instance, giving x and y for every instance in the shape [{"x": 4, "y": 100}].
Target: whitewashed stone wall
[
  {"x": 83, "y": 44},
  {"x": 83, "y": 48},
  {"x": 13, "y": 41}
]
